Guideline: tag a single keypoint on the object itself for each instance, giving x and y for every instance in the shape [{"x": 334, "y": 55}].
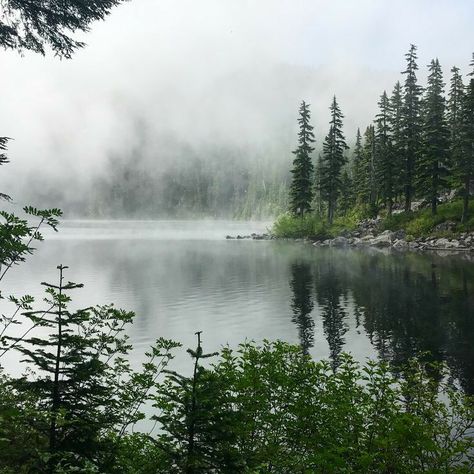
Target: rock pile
[{"x": 397, "y": 241}]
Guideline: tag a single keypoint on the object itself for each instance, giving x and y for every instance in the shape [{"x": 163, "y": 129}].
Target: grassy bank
[{"x": 421, "y": 223}]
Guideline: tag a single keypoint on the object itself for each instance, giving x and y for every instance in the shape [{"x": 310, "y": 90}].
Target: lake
[{"x": 184, "y": 276}]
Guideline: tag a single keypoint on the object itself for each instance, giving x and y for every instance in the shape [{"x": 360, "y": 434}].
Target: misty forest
[{"x": 236, "y": 237}]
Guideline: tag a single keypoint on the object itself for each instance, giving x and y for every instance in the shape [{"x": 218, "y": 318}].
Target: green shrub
[
  {"x": 270, "y": 408},
  {"x": 294, "y": 227}
]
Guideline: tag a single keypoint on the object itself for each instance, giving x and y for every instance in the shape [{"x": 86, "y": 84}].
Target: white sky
[{"x": 219, "y": 72}]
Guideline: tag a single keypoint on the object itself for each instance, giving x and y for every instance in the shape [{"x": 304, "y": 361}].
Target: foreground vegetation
[{"x": 258, "y": 409}]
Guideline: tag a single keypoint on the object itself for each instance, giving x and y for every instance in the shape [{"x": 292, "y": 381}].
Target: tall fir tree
[
  {"x": 333, "y": 161},
  {"x": 360, "y": 172},
  {"x": 301, "y": 188},
  {"x": 370, "y": 160},
  {"x": 454, "y": 109},
  {"x": 317, "y": 186},
  {"x": 411, "y": 124},
  {"x": 432, "y": 165},
  {"x": 464, "y": 166},
  {"x": 396, "y": 127},
  {"x": 385, "y": 164}
]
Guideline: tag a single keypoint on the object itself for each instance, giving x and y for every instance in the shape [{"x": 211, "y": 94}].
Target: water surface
[{"x": 183, "y": 276}]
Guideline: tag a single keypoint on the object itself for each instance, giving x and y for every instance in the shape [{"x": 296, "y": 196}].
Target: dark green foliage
[
  {"x": 301, "y": 188},
  {"x": 33, "y": 25},
  {"x": 83, "y": 389},
  {"x": 360, "y": 172},
  {"x": 432, "y": 167},
  {"x": 411, "y": 120},
  {"x": 464, "y": 156},
  {"x": 397, "y": 137},
  {"x": 370, "y": 160},
  {"x": 347, "y": 199},
  {"x": 386, "y": 166},
  {"x": 197, "y": 420},
  {"x": 454, "y": 114},
  {"x": 333, "y": 161},
  {"x": 284, "y": 412},
  {"x": 17, "y": 235}
]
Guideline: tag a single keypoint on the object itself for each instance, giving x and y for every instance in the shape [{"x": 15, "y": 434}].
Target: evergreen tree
[
  {"x": 454, "y": 112},
  {"x": 396, "y": 127},
  {"x": 32, "y": 26},
  {"x": 317, "y": 186},
  {"x": 197, "y": 420},
  {"x": 464, "y": 167},
  {"x": 370, "y": 166},
  {"x": 386, "y": 168},
  {"x": 347, "y": 196},
  {"x": 333, "y": 161},
  {"x": 360, "y": 172},
  {"x": 411, "y": 125},
  {"x": 301, "y": 188},
  {"x": 431, "y": 169}
]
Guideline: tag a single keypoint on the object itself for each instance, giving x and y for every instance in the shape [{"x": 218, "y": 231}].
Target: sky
[{"x": 204, "y": 73}]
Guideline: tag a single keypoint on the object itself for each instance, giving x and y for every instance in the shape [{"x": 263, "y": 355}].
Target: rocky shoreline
[{"x": 368, "y": 234}]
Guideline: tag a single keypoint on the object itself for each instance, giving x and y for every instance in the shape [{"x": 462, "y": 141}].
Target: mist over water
[{"x": 182, "y": 277}]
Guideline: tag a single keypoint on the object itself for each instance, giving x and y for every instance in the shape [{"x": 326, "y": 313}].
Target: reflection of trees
[
  {"x": 301, "y": 284},
  {"x": 329, "y": 292}
]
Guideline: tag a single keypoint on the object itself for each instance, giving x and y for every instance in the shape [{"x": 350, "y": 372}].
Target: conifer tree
[
  {"x": 347, "y": 196},
  {"x": 411, "y": 125},
  {"x": 301, "y": 188},
  {"x": 432, "y": 169},
  {"x": 333, "y": 161},
  {"x": 396, "y": 127},
  {"x": 370, "y": 164},
  {"x": 386, "y": 169},
  {"x": 454, "y": 111},
  {"x": 360, "y": 172},
  {"x": 317, "y": 186},
  {"x": 464, "y": 166}
]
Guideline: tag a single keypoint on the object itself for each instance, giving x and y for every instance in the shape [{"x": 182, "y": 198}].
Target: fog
[{"x": 170, "y": 83}]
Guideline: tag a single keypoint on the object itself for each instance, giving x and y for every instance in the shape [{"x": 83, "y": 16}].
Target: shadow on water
[{"x": 406, "y": 304}]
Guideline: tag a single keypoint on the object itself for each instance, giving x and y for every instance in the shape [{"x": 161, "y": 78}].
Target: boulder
[
  {"x": 339, "y": 242},
  {"x": 400, "y": 244},
  {"x": 445, "y": 226},
  {"x": 385, "y": 239}
]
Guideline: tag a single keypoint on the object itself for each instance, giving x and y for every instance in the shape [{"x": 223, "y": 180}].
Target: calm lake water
[{"x": 183, "y": 276}]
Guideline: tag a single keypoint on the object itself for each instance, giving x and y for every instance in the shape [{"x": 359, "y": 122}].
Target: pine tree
[
  {"x": 431, "y": 169},
  {"x": 197, "y": 420},
  {"x": 301, "y": 188},
  {"x": 396, "y": 127},
  {"x": 411, "y": 125},
  {"x": 385, "y": 164},
  {"x": 333, "y": 161},
  {"x": 317, "y": 186},
  {"x": 370, "y": 164},
  {"x": 464, "y": 166},
  {"x": 360, "y": 172},
  {"x": 454, "y": 110},
  {"x": 347, "y": 199}
]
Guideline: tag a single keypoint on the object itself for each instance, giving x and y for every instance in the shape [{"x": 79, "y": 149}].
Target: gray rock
[
  {"x": 339, "y": 242},
  {"x": 445, "y": 226},
  {"x": 400, "y": 245},
  {"x": 385, "y": 239}
]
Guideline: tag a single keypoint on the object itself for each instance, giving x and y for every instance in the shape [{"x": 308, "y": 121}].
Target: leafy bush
[
  {"x": 294, "y": 227},
  {"x": 270, "y": 408},
  {"x": 422, "y": 223}
]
